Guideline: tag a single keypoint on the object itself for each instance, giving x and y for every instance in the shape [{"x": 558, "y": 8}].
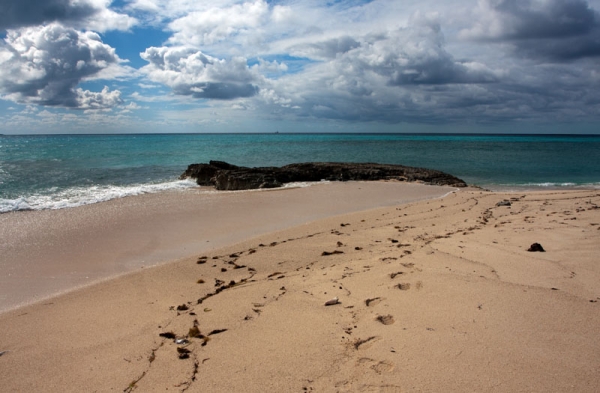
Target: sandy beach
[
  {"x": 433, "y": 289},
  {"x": 48, "y": 252}
]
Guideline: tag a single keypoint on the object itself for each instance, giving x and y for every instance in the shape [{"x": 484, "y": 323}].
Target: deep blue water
[{"x": 69, "y": 170}]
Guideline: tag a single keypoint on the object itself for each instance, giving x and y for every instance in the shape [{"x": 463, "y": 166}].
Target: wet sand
[
  {"x": 45, "y": 253},
  {"x": 436, "y": 295}
]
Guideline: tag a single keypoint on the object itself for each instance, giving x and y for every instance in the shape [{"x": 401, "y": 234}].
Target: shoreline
[
  {"x": 506, "y": 188},
  {"x": 434, "y": 295},
  {"x": 69, "y": 249}
]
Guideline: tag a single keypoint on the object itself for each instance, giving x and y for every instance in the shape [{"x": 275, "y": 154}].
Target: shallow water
[{"x": 61, "y": 171}]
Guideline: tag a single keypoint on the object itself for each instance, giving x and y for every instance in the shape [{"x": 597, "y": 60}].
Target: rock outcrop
[{"x": 224, "y": 176}]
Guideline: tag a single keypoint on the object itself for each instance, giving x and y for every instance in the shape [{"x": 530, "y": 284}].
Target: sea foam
[
  {"x": 542, "y": 186},
  {"x": 79, "y": 196}
]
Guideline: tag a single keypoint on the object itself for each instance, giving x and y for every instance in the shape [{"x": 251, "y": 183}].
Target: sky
[{"x": 132, "y": 66}]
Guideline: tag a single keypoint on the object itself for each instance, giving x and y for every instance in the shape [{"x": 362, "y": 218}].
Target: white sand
[
  {"x": 48, "y": 252},
  {"x": 438, "y": 295}
]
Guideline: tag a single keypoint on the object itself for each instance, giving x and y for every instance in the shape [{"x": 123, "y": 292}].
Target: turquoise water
[{"x": 59, "y": 171}]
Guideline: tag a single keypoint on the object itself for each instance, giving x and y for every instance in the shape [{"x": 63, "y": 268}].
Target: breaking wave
[{"x": 79, "y": 196}]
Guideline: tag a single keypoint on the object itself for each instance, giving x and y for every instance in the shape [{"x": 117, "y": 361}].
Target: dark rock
[
  {"x": 327, "y": 253},
  {"x": 536, "y": 247},
  {"x": 224, "y": 176},
  {"x": 203, "y": 173},
  {"x": 244, "y": 180},
  {"x": 504, "y": 203}
]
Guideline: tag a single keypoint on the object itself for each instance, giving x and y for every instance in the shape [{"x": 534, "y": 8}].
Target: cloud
[
  {"x": 325, "y": 50},
  {"x": 415, "y": 61},
  {"x": 129, "y": 108},
  {"x": 106, "y": 19},
  {"x": 409, "y": 75},
  {"x": 557, "y": 30},
  {"x": 414, "y": 55},
  {"x": 387, "y": 76},
  {"x": 15, "y": 14},
  {"x": 190, "y": 72},
  {"x": 44, "y": 65},
  {"x": 102, "y": 100},
  {"x": 217, "y": 24},
  {"x": 348, "y": 67},
  {"x": 270, "y": 67},
  {"x": 148, "y": 85},
  {"x": 138, "y": 97},
  {"x": 161, "y": 11},
  {"x": 88, "y": 14}
]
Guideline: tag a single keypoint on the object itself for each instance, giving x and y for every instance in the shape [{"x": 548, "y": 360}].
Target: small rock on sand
[{"x": 536, "y": 247}]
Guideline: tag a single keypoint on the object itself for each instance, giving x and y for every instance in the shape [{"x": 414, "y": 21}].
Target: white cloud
[
  {"x": 154, "y": 98},
  {"x": 217, "y": 24},
  {"x": 270, "y": 67},
  {"x": 98, "y": 100},
  {"x": 29, "y": 109},
  {"x": 129, "y": 108},
  {"x": 44, "y": 65},
  {"x": 164, "y": 10},
  {"x": 148, "y": 85},
  {"x": 190, "y": 72},
  {"x": 106, "y": 20}
]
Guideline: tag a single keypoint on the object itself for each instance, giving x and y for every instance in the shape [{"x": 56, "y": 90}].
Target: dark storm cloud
[
  {"x": 219, "y": 91},
  {"x": 21, "y": 13},
  {"x": 437, "y": 70},
  {"x": 562, "y": 49},
  {"x": 551, "y": 19},
  {"x": 556, "y": 30}
]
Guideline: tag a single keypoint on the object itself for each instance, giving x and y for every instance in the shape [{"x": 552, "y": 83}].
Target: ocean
[{"x": 63, "y": 171}]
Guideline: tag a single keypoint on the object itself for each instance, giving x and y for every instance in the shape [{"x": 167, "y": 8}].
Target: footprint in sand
[
  {"x": 373, "y": 302},
  {"x": 386, "y": 319},
  {"x": 380, "y": 389},
  {"x": 381, "y": 367}
]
